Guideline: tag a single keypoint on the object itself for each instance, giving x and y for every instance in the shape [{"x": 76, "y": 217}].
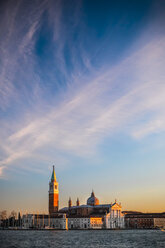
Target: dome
[{"x": 92, "y": 200}]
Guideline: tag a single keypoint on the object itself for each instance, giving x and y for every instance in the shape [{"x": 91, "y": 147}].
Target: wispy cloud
[
  {"x": 127, "y": 97},
  {"x": 101, "y": 107}
]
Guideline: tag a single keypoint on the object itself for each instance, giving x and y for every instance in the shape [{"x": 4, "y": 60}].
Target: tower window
[{"x": 55, "y": 186}]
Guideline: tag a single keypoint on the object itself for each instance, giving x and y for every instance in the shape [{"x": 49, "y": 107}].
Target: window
[{"x": 55, "y": 186}]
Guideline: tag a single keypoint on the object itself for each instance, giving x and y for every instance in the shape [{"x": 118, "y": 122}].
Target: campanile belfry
[{"x": 53, "y": 194}]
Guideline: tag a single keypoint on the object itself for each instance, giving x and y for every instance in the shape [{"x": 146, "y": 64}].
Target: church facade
[{"x": 91, "y": 215}]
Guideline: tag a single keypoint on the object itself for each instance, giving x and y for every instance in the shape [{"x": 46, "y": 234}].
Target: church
[
  {"x": 91, "y": 215},
  {"x": 86, "y": 216}
]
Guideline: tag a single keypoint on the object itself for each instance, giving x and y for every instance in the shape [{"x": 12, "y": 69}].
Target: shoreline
[{"x": 53, "y": 229}]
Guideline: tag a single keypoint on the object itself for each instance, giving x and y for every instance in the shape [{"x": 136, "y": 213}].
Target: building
[
  {"x": 115, "y": 218},
  {"x": 43, "y": 221},
  {"x": 137, "y": 220},
  {"x": 88, "y": 222},
  {"x": 91, "y": 215},
  {"x": 159, "y": 221}
]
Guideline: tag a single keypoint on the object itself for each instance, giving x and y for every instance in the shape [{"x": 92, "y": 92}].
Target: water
[{"x": 94, "y": 238}]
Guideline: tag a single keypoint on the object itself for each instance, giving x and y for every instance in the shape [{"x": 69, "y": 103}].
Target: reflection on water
[{"x": 94, "y": 238}]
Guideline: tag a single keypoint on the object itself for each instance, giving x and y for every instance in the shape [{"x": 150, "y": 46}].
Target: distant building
[{"x": 136, "y": 220}]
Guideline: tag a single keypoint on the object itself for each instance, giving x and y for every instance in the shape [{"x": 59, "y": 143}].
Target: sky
[{"x": 82, "y": 87}]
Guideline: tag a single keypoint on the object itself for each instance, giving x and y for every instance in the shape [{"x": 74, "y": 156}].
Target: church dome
[{"x": 92, "y": 200}]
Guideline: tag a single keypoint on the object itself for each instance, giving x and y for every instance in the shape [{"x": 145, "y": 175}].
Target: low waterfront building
[
  {"x": 159, "y": 221},
  {"x": 90, "y": 222},
  {"x": 40, "y": 221},
  {"x": 136, "y": 220},
  {"x": 61, "y": 221}
]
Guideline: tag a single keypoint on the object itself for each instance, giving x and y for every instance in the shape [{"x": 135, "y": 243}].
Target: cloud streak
[
  {"x": 100, "y": 108},
  {"x": 127, "y": 97}
]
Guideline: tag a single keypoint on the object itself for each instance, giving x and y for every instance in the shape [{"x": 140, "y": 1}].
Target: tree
[
  {"x": 19, "y": 219},
  {"x": 3, "y": 215},
  {"x": 13, "y": 214}
]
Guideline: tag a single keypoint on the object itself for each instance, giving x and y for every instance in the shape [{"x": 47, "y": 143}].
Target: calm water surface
[{"x": 95, "y": 238}]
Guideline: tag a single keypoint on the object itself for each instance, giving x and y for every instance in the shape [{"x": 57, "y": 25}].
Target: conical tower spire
[{"x": 53, "y": 178}]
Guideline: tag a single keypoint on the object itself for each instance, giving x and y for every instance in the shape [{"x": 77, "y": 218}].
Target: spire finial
[
  {"x": 78, "y": 202},
  {"x": 70, "y": 202},
  {"x": 92, "y": 194}
]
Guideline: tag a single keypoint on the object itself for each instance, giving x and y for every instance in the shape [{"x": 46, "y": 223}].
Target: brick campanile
[{"x": 53, "y": 194}]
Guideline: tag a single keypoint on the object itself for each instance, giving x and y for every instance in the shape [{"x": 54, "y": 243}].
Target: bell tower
[{"x": 53, "y": 194}]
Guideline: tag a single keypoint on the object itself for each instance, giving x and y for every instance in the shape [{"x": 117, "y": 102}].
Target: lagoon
[{"x": 86, "y": 238}]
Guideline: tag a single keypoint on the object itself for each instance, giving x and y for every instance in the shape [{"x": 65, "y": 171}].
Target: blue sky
[{"x": 82, "y": 86}]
